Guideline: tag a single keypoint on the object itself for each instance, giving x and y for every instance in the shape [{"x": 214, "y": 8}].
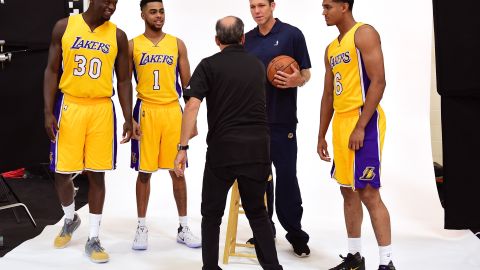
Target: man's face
[
  {"x": 104, "y": 8},
  {"x": 261, "y": 10},
  {"x": 153, "y": 14},
  {"x": 333, "y": 11}
]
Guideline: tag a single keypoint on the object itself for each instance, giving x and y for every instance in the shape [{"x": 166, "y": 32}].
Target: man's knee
[
  {"x": 370, "y": 196},
  {"x": 144, "y": 177}
]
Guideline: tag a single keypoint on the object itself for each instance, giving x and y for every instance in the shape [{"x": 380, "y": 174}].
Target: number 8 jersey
[
  {"x": 351, "y": 81},
  {"x": 156, "y": 69},
  {"x": 88, "y": 59}
]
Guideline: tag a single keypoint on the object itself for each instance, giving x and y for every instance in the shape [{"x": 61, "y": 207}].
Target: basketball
[{"x": 280, "y": 63}]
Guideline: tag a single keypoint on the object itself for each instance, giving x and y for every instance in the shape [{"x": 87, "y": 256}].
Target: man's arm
[
  {"x": 183, "y": 64},
  {"x": 124, "y": 83},
  {"x": 189, "y": 120},
  {"x": 367, "y": 40},
  {"x": 184, "y": 69},
  {"x": 50, "y": 83},
  {"x": 326, "y": 111}
]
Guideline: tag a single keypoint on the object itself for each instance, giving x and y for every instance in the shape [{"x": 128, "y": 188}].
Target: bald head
[{"x": 229, "y": 30}]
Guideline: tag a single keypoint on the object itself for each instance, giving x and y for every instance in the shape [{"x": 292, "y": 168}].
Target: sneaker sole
[
  {"x": 74, "y": 229},
  {"x": 190, "y": 246},
  {"x": 139, "y": 247},
  {"x": 303, "y": 255}
]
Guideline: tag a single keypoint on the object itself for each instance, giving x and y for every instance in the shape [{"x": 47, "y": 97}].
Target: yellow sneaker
[
  {"x": 95, "y": 251},
  {"x": 65, "y": 235}
]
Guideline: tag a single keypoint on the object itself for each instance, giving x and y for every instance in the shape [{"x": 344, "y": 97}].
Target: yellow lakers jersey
[
  {"x": 351, "y": 81},
  {"x": 156, "y": 69},
  {"x": 88, "y": 59}
]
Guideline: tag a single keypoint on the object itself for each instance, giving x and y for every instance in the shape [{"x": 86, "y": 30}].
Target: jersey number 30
[{"x": 94, "y": 67}]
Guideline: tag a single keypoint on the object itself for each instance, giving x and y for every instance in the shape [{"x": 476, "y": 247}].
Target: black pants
[
  {"x": 288, "y": 201},
  {"x": 216, "y": 184}
]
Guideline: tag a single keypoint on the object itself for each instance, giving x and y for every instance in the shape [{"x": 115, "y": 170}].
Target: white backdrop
[{"x": 409, "y": 190}]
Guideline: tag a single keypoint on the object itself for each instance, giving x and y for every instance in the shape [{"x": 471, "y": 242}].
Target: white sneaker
[
  {"x": 185, "y": 236},
  {"x": 141, "y": 238}
]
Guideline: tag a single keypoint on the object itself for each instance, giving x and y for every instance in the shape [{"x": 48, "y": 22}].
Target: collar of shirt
[
  {"x": 234, "y": 48},
  {"x": 275, "y": 28}
]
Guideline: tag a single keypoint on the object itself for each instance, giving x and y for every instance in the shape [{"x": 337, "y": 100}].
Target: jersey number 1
[{"x": 156, "y": 80}]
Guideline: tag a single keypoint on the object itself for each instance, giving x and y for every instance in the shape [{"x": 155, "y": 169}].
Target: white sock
[
  {"x": 354, "y": 245},
  {"x": 141, "y": 222},
  {"x": 69, "y": 211},
  {"x": 94, "y": 224},
  {"x": 183, "y": 221},
  {"x": 385, "y": 254}
]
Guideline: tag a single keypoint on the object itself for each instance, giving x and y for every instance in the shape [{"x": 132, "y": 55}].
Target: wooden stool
[{"x": 231, "y": 237}]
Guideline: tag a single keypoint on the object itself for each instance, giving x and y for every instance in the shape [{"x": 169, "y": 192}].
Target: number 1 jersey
[{"x": 156, "y": 69}]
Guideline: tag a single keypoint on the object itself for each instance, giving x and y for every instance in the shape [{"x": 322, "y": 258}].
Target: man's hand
[
  {"x": 180, "y": 163},
  {"x": 137, "y": 133},
  {"x": 322, "y": 150},
  {"x": 127, "y": 132},
  {"x": 51, "y": 126},
  {"x": 356, "y": 138},
  {"x": 284, "y": 80}
]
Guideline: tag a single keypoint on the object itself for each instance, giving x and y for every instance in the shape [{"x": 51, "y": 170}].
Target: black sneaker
[
  {"x": 351, "y": 262},
  {"x": 251, "y": 241},
  {"x": 301, "y": 250},
  {"x": 387, "y": 267}
]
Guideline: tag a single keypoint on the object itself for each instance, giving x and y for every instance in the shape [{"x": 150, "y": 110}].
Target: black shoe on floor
[
  {"x": 387, "y": 267},
  {"x": 251, "y": 241},
  {"x": 301, "y": 250},
  {"x": 351, "y": 262}
]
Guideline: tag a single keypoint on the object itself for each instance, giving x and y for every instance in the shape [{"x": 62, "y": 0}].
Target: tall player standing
[
  {"x": 354, "y": 86},
  {"x": 80, "y": 119},
  {"x": 158, "y": 60}
]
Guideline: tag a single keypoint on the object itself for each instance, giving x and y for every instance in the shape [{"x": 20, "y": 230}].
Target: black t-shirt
[{"x": 233, "y": 83}]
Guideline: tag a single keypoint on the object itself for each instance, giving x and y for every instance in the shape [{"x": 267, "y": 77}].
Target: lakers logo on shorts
[
  {"x": 368, "y": 174},
  {"x": 51, "y": 157},
  {"x": 134, "y": 157}
]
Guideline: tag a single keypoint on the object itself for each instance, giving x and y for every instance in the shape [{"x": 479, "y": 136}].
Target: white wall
[{"x": 408, "y": 178}]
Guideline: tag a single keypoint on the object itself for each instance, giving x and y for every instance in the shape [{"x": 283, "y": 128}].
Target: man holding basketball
[
  {"x": 268, "y": 40},
  {"x": 354, "y": 86}
]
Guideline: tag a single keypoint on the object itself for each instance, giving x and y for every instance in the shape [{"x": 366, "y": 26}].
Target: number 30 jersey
[
  {"x": 350, "y": 78},
  {"x": 156, "y": 69},
  {"x": 88, "y": 59}
]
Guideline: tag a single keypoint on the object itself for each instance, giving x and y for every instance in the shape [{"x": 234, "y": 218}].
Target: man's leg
[
  {"x": 180, "y": 193},
  {"x": 214, "y": 195},
  {"x": 353, "y": 212},
  {"x": 96, "y": 198},
  {"x": 352, "y": 208},
  {"x": 252, "y": 195},
  {"x": 65, "y": 191},
  {"x": 143, "y": 194},
  {"x": 288, "y": 200},
  {"x": 140, "y": 241},
  {"x": 184, "y": 234},
  {"x": 380, "y": 219}
]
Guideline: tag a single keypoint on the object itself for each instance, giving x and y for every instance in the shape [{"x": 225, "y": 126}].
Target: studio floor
[{"x": 418, "y": 238}]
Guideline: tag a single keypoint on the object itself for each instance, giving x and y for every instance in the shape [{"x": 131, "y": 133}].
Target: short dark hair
[
  {"x": 144, "y": 2},
  {"x": 350, "y": 3},
  {"x": 229, "y": 34}
]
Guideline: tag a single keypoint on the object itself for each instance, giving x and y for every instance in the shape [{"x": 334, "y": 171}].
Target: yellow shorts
[
  {"x": 160, "y": 126},
  {"x": 86, "y": 137},
  {"x": 356, "y": 169}
]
